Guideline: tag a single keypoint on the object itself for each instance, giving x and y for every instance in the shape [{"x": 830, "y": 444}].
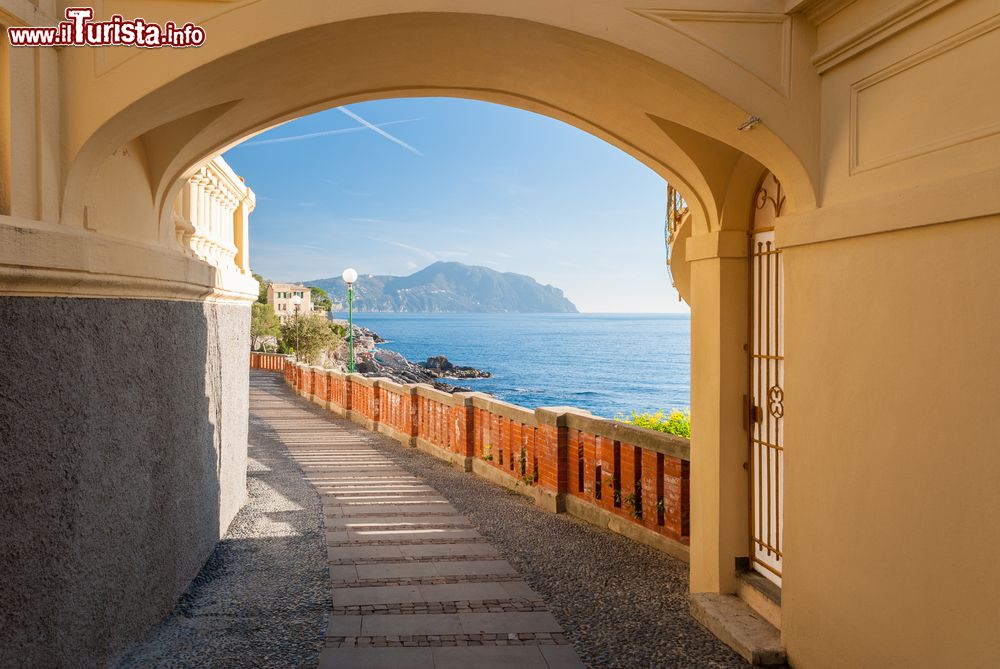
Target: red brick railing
[{"x": 632, "y": 480}]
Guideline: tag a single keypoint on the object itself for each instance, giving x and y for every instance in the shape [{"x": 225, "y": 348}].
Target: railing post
[
  {"x": 676, "y": 497},
  {"x": 462, "y": 422},
  {"x": 553, "y": 465},
  {"x": 414, "y": 413},
  {"x": 329, "y": 391},
  {"x": 376, "y": 402},
  {"x": 348, "y": 388}
]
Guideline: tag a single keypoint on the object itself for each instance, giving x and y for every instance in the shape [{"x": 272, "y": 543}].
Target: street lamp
[
  {"x": 297, "y": 301},
  {"x": 350, "y": 276}
]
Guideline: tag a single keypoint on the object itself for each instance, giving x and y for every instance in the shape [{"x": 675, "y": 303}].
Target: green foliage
[
  {"x": 612, "y": 482},
  {"x": 677, "y": 422},
  {"x": 522, "y": 462},
  {"x": 320, "y": 298},
  {"x": 634, "y": 500},
  {"x": 262, "y": 291},
  {"x": 313, "y": 333},
  {"x": 263, "y": 324}
]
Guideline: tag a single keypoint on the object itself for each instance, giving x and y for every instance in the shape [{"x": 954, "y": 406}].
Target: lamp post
[
  {"x": 297, "y": 301},
  {"x": 350, "y": 276}
]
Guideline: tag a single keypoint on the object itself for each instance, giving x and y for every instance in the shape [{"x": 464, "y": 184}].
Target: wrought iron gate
[{"x": 766, "y": 386}]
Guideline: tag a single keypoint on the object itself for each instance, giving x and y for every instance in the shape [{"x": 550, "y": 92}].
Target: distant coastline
[{"x": 448, "y": 287}]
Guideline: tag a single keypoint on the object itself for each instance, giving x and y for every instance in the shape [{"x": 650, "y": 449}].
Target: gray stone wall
[{"x": 123, "y": 432}]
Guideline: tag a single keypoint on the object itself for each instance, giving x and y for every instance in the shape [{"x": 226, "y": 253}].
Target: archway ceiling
[{"x": 675, "y": 125}]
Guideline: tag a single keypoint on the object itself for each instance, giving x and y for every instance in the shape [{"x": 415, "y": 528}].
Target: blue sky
[{"x": 445, "y": 179}]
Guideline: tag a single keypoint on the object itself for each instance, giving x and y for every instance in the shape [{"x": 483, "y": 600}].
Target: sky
[{"x": 391, "y": 186}]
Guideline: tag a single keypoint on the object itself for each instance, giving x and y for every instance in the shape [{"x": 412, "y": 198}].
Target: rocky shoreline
[{"x": 372, "y": 360}]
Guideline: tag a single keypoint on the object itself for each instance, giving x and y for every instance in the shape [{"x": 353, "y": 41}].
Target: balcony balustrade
[{"x": 211, "y": 214}]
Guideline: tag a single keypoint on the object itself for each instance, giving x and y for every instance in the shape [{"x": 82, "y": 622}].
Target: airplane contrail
[
  {"x": 322, "y": 133},
  {"x": 376, "y": 128}
]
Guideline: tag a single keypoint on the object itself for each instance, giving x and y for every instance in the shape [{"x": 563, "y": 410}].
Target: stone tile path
[{"x": 414, "y": 584}]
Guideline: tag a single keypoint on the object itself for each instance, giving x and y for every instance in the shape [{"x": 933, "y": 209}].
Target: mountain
[{"x": 448, "y": 287}]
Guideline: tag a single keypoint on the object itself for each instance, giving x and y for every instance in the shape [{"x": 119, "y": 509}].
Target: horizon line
[{"x": 537, "y": 313}]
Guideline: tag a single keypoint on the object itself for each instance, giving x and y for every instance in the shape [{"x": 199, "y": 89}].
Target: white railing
[{"x": 211, "y": 215}]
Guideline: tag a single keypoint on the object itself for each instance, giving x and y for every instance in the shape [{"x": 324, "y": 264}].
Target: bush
[
  {"x": 314, "y": 333},
  {"x": 676, "y": 422}
]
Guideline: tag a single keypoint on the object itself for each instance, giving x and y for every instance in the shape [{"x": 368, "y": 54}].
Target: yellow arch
[{"x": 667, "y": 120}]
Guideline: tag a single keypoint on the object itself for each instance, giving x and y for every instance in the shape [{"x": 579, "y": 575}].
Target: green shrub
[
  {"x": 314, "y": 334},
  {"x": 676, "y": 422}
]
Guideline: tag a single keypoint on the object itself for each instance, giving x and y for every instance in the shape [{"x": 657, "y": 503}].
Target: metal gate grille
[{"x": 766, "y": 404}]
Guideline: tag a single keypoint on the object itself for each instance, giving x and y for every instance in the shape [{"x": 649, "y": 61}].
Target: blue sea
[{"x": 605, "y": 363}]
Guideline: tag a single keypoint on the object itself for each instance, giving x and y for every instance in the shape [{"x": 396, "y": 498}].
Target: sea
[{"x": 608, "y": 364}]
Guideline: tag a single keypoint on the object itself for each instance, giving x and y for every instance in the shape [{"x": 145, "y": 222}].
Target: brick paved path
[{"x": 414, "y": 585}]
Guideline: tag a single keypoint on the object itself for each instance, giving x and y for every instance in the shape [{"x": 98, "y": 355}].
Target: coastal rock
[
  {"x": 366, "y": 333},
  {"x": 391, "y": 365},
  {"x": 370, "y": 360},
  {"x": 440, "y": 367}
]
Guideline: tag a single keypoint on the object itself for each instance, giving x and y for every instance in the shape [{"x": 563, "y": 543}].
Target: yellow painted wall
[
  {"x": 119, "y": 203},
  {"x": 893, "y": 450}
]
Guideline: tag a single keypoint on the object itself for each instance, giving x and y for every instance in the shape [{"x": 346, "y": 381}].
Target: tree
[
  {"x": 320, "y": 298},
  {"x": 263, "y": 324},
  {"x": 262, "y": 291},
  {"x": 314, "y": 333}
]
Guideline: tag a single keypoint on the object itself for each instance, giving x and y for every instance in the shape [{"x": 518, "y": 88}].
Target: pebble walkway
[{"x": 414, "y": 583}]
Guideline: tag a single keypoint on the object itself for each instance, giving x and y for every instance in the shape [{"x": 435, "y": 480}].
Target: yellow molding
[
  {"x": 718, "y": 244},
  {"x": 47, "y": 259},
  {"x": 22, "y": 282},
  {"x": 971, "y": 197},
  {"x": 871, "y": 34}
]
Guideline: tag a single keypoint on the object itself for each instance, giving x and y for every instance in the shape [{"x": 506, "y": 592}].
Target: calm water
[{"x": 605, "y": 363}]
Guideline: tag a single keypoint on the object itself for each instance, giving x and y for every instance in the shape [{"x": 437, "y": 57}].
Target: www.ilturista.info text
[{"x": 79, "y": 29}]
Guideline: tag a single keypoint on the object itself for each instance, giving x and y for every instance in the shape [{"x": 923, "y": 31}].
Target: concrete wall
[{"x": 123, "y": 427}]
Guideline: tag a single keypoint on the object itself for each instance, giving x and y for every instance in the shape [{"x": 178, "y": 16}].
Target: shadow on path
[{"x": 263, "y": 597}]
